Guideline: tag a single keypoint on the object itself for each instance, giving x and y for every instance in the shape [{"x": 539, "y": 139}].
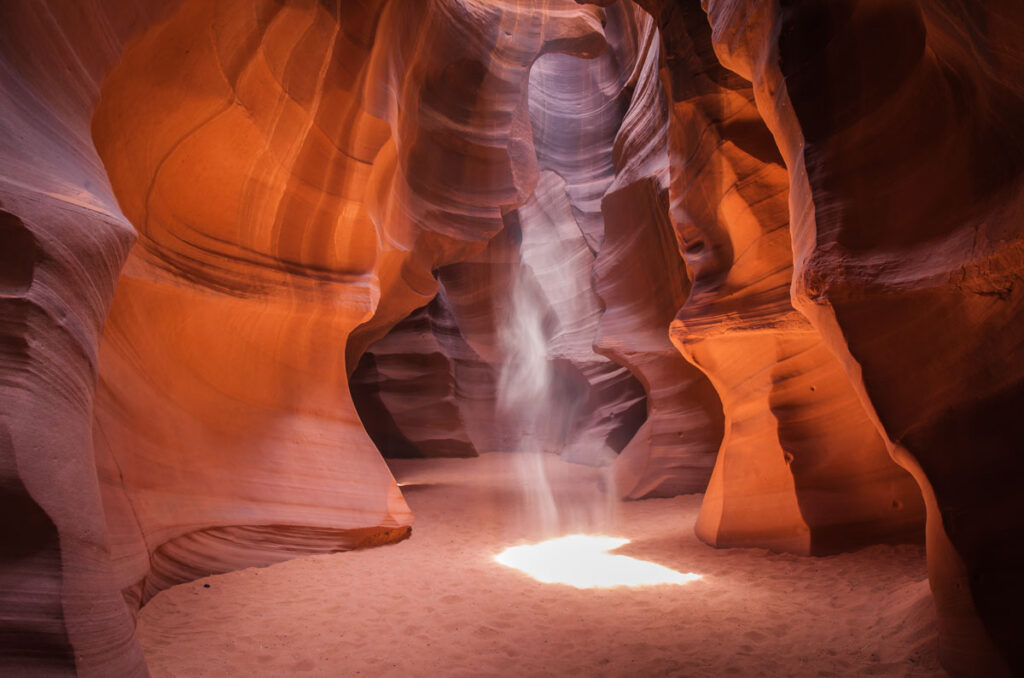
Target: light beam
[{"x": 583, "y": 561}]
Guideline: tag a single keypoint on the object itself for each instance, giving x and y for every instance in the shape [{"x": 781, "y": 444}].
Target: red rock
[
  {"x": 821, "y": 200},
  {"x": 63, "y": 241},
  {"x": 675, "y": 449},
  {"x": 899, "y": 125},
  {"x": 407, "y": 386},
  {"x": 801, "y": 468}
]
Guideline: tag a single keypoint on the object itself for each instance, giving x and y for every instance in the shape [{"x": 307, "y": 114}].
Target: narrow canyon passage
[
  {"x": 317, "y": 316},
  {"x": 438, "y": 605}
]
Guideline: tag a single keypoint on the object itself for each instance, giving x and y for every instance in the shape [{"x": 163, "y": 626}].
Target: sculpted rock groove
[
  {"x": 791, "y": 274},
  {"x": 596, "y": 124},
  {"x": 899, "y": 125},
  {"x": 801, "y": 467}
]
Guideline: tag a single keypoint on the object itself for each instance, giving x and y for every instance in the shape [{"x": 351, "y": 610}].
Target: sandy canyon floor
[{"x": 438, "y": 604}]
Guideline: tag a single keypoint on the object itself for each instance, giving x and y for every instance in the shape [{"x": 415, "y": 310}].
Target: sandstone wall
[
  {"x": 801, "y": 467},
  {"x": 899, "y": 125},
  {"x": 212, "y": 211}
]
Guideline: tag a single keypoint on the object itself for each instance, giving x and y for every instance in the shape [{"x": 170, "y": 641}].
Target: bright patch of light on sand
[{"x": 583, "y": 561}]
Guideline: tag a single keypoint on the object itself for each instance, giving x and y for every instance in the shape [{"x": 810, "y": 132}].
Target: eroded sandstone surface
[
  {"x": 899, "y": 126},
  {"x": 773, "y": 250}
]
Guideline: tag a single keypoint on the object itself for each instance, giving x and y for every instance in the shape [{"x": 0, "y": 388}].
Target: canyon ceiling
[{"x": 242, "y": 241}]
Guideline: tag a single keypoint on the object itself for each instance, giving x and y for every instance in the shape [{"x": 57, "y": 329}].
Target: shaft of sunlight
[{"x": 583, "y": 561}]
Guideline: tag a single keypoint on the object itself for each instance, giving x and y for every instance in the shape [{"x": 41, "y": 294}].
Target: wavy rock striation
[
  {"x": 291, "y": 179},
  {"x": 597, "y": 126},
  {"x": 218, "y": 215},
  {"x": 293, "y": 205},
  {"x": 674, "y": 450},
  {"x": 224, "y": 428},
  {"x": 801, "y": 467},
  {"x": 63, "y": 240},
  {"x": 899, "y": 124},
  {"x": 410, "y": 387}
]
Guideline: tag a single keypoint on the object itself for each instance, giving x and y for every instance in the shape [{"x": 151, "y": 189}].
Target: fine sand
[{"x": 438, "y": 604}]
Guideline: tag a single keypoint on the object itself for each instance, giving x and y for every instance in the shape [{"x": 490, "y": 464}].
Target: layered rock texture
[
  {"x": 770, "y": 250},
  {"x": 801, "y": 467},
  {"x": 410, "y": 387},
  {"x": 559, "y": 337},
  {"x": 899, "y": 124}
]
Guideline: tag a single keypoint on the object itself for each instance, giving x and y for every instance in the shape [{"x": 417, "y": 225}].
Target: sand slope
[{"x": 438, "y": 605}]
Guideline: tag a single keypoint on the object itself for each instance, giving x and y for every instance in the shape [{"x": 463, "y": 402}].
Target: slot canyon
[{"x": 511, "y": 338}]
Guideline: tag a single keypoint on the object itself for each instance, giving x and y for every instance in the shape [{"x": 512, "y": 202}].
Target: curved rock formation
[
  {"x": 222, "y": 410},
  {"x": 310, "y": 184},
  {"x": 598, "y": 127},
  {"x": 63, "y": 240},
  {"x": 280, "y": 165},
  {"x": 587, "y": 407},
  {"x": 899, "y": 124},
  {"x": 801, "y": 467},
  {"x": 300, "y": 194},
  {"x": 408, "y": 386},
  {"x": 452, "y": 82},
  {"x": 540, "y": 269},
  {"x": 674, "y": 450}
]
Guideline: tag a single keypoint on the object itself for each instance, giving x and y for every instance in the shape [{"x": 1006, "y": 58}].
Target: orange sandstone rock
[
  {"x": 900, "y": 128},
  {"x": 302, "y": 179},
  {"x": 801, "y": 468}
]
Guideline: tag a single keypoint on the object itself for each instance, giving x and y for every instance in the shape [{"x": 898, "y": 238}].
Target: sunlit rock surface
[
  {"x": 900, "y": 128},
  {"x": 597, "y": 124},
  {"x": 300, "y": 194},
  {"x": 289, "y": 178},
  {"x": 216, "y": 215},
  {"x": 216, "y": 445},
  {"x": 801, "y": 467}
]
